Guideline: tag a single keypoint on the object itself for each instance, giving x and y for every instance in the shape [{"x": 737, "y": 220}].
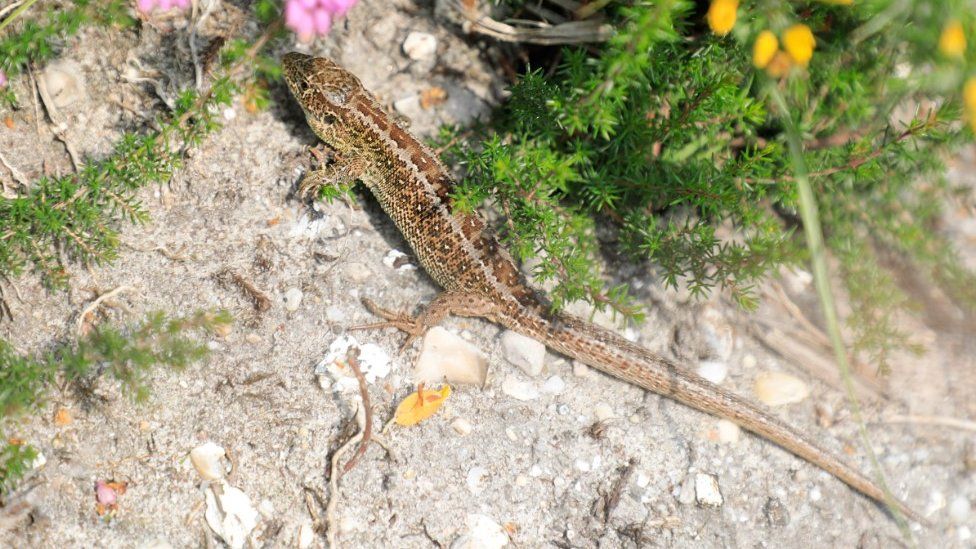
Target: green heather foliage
[
  {"x": 126, "y": 355},
  {"x": 664, "y": 140}
]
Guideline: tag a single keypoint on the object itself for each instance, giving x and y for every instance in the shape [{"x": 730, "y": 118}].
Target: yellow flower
[
  {"x": 798, "y": 41},
  {"x": 952, "y": 42},
  {"x": 764, "y": 49},
  {"x": 969, "y": 101},
  {"x": 721, "y": 16}
]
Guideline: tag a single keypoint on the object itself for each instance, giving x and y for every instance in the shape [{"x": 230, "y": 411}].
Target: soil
[{"x": 601, "y": 463}]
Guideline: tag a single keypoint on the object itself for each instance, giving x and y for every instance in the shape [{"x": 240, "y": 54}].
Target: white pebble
[
  {"x": 554, "y": 385},
  {"x": 603, "y": 411},
  {"x": 964, "y": 534},
  {"x": 642, "y": 480},
  {"x": 519, "y": 390},
  {"x": 522, "y": 481},
  {"x": 293, "y": 299},
  {"x": 686, "y": 493},
  {"x": 959, "y": 510},
  {"x": 582, "y": 464},
  {"x": 461, "y": 426},
  {"x": 398, "y": 261},
  {"x": 230, "y": 514},
  {"x": 482, "y": 532},
  {"x": 777, "y": 388},
  {"x": 582, "y": 370},
  {"x": 306, "y": 535},
  {"x": 707, "y": 491},
  {"x": 713, "y": 370},
  {"x": 420, "y": 45},
  {"x": 474, "y": 477},
  {"x": 446, "y": 357},
  {"x": 728, "y": 432},
  {"x": 334, "y": 372},
  {"x": 524, "y": 352},
  {"x": 749, "y": 361},
  {"x": 510, "y": 433},
  {"x": 206, "y": 459},
  {"x": 816, "y": 494},
  {"x": 535, "y": 470}
]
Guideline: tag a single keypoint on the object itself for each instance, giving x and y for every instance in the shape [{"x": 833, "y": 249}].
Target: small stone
[
  {"x": 230, "y": 514},
  {"x": 535, "y": 471},
  {"x": 461, "y": 426},
  {"x": 816, "y": 494},
  {"x": 964, "y": 534},
  {"x": 749, "y": 361},
  {"x": 229, "y": 113},
  {"x": 959, "y": 510},
  {"x": 253, "y": 338},
  {"x": 707, "y": 491},
  {"x": 522, "y": 481},
  {"x": 519, "y": 390},
  {"x": 293, "y": 299},
  {"x": 266, "y": 508},
  {"x": 481, "y": 532},
  {"x": 335, "y": 373},
  {"x": 420, "y": 46},
  {"x": 510, "y": 433},
  {"x": 717, "y": 334},
  {"x": 778, "y": 389},
  {"x": 206, "y": 459},
  {"x": 444, "y": 356},
  {"x": 554, "y": 385},
  {"x": 582, "y": 370},
  {"x": 474, "y": 477},
  {"x": 728, "y": 432},
  {"x": 65, "y": 82},
  {"x": 306, "y": 534},
  {"x": 642, "y": 480},
  {"x": 582, "y": 464},
  {"x": 777, "y": 514},
  {"x": 398, "y": 261},
  {"x": 713, "y": 370},
  {"x": 62, "y": 417},
  {"x": 524, "y": 352},
  {"x": 686, "y": 494},
  {"x": 603, "y": 411}
]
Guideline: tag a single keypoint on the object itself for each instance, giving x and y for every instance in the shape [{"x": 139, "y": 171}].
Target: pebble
[
  {"x": 510, "y": 433},
  {"x": 776, "y": 513},
  {"x": 535, "y": 471},
  {"x": 444, "y": 356},
  {"x": 582, "y": 464},
  {"x": 524, "y": 352},
  {"x": 778, "y": 389},
  {"x": 959, "y": 510},
  {"x": 519, "y": 390},
  {"x": 717, "y": 333},
  {"x": 358, "y": 272},
  {"x": 207, "y": 460},
  {"x": 306, "y": 534},
  {"x": 230, "y": 514},
  {"x": 293, "y": 299},
  {"x": 728, "y": 432},
  {"x": 398, "y": 261},
  {"x": 253, "y": 338},
  {"x": 713, "y": 370},
  {"x": 461, "y": 426},
  {"x": 642, "y": 480},
  {"x": 65, "y": 82},
  {"x": 420, "y": 46},
  {"x": 964, "y": 534},
  {"x": 707, "y": 491},
  {"x": 816, "y": 494},
  {"x": 474, "y": 477},
  {"x": 582, "y": 370},
  {"x": 686, "y": 493},
  {"x": 554, "y": 385},
  {"x": 481, "y": 532},
  {"x": 749, "y": 361},
  {"x": 603, "y": 411},
  {"x": 522, "y": 481}
]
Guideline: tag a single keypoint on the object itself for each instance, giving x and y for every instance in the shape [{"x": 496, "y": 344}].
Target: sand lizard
[{"x": 480, "y": 278}]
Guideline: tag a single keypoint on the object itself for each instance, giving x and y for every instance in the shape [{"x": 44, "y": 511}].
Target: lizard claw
[{"x": 410, "y": 325}]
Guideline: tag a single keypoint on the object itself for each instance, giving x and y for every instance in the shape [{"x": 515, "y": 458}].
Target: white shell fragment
[
  {"x": 713, "y": 370},
  {"x": 444, "y": 356},
  {"x": 230, "y": 514},
  {"x": 524, "y": 352},
  {"x": 778, "y": 389},
  {"x": 206, "y": 459},
  {"x": 482, "y": 532},
  {"x": 707, "y": 491},
  {"x": 293, "y": 299},
  {"x": 420, "y": 46},
  {"x": 335, "y": 373},
  {"x": 461, "y": 426},
  {"x": 519, "y": 390}
]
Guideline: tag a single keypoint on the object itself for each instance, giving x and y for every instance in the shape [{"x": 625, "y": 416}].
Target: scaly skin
[{"x": 480, "y": 278}]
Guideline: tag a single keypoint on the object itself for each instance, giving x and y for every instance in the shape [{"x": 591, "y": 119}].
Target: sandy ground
[{"x": 537, "y": 468}]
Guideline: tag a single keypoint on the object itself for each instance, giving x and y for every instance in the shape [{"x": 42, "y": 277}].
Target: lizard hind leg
[{"x": 446, "y": 303}]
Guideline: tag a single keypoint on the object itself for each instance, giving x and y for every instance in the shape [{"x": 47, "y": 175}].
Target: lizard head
[{"x": 321, "y": 87}]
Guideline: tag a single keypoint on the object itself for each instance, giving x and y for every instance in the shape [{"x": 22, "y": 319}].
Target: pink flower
[
  {"x": 148, "y": 6},
  {"x": 3, "y": 79},
  {"x": 104, "y": 493},
  {"x": 311, "y": 18}
]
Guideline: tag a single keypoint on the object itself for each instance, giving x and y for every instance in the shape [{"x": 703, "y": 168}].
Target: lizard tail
[{"x": 607, "y": 351}]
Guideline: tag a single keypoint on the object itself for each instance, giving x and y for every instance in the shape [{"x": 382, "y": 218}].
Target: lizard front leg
[
  {"x": 447, "y": 303},
  {"x": 341, "y": 173}
]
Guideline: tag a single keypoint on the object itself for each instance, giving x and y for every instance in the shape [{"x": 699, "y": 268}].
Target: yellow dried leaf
[{"x": 420, "y": 405}]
